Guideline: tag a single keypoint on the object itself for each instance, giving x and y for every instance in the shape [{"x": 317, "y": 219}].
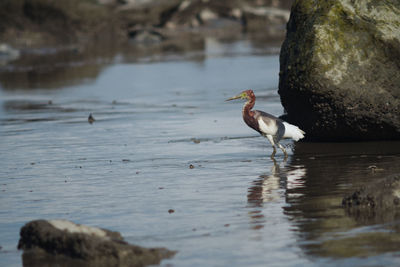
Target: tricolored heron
[{"x": 269, "y": 126}]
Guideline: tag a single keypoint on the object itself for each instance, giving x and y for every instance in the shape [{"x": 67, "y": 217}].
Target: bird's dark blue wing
[{"x": 271, "y": 119}]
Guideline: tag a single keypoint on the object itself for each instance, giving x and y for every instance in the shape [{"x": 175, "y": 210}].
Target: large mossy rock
[{"x": 340, "y": 69}]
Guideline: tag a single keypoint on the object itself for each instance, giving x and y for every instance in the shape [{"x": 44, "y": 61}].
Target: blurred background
[{"x": 52, "y": 36}]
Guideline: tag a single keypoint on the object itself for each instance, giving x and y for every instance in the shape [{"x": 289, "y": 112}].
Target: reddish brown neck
[
  {"x": 248, "y": 106},
  {"x": 248, "y": 114}
]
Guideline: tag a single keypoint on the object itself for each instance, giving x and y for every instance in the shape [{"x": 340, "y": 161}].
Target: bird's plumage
[
  {"x": 269, "y": 126},
  {"x": 293, "y": 132}
]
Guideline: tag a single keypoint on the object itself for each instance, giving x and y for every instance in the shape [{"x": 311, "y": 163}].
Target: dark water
[{"x": 234, "y": 207}]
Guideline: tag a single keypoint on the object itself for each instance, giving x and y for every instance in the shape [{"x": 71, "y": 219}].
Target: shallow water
[{"x": 153, "y": 120}]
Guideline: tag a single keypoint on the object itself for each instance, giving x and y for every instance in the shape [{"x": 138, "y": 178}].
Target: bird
[{"x": 269, "y": 126}]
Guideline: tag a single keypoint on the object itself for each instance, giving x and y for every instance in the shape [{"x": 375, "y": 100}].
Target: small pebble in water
[
  {"x": 195, "y": 140},
  {"x": 374, "y": 168},
  {"x": 91, "y": 118},
  {"x": 257, "y": 227}
]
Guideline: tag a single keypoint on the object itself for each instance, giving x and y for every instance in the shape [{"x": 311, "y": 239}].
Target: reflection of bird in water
[
  {"x": 265, "y": 189},
  {"x": 269, "y": 126},
  {"x": 279, "y": 184}
]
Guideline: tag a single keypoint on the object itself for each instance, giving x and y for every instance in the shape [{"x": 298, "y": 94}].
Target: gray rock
[
  {"x": 199, "y": 13},
  {"x": 340, "y": 70},
  {"x": 375, "y": 203},
  {"x": 7, "y": 53},
  {"x": 146, "y": 36},
  {"x": 146, "y": 13},
  {"x": 107, "y": 2},
  {"x": 263, "y": 17},
  {"x": 64, "y": 243},
  {"x": 384, "y": 194},
  {"x": 34, "y": 24}
]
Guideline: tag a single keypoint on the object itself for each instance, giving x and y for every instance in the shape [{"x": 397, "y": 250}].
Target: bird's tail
[{"x": 292, "y": 131}]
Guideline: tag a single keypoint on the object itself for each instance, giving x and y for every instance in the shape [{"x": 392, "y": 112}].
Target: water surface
[{"x": 164, "y": 138}]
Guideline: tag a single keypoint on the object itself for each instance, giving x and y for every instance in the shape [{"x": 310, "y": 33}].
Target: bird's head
[{"x": 247, "y": 94}]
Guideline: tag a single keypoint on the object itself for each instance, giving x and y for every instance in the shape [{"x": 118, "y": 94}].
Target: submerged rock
[
  {"x": 378, "y": 202},
  {"x": 384, "y": 194},
  {"x": 64, "y": 243},
  {"x": 339, "y": 73}
]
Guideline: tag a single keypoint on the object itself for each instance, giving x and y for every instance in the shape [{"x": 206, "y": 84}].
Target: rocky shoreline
[{"x": 33, "y": 24}]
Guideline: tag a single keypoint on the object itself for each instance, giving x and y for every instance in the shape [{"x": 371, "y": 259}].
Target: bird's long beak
[{"x": 235, "y": 97}]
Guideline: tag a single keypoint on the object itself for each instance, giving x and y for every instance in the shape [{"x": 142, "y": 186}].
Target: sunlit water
[{"x": 233, "y": 207}]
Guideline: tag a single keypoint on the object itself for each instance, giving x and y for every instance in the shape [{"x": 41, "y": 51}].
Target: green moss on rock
[{"x": 339, "y": 69}]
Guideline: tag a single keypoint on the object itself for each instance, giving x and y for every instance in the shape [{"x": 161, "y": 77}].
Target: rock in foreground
[
  {"x": 64, "y": 243},
  {"x": 377, "y": 203},
  {"x": 339, "y": 76}
]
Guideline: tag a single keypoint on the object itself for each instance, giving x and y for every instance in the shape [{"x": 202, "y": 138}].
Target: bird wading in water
[{"x": 269, "y": 126}]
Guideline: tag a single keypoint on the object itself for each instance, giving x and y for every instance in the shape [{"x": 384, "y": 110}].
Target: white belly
[{"x": 270, "y": 128}]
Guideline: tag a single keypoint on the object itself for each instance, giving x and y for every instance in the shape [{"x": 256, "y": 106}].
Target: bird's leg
[
  {"x": 273, "y": 170},
  {"x": 283, "y": 150},
  {"x": 271, "y": 140},
  {"x": 273, "y": 152}
]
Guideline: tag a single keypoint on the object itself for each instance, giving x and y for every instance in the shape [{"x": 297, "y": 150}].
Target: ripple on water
[{"x": 131, "y": 166}]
